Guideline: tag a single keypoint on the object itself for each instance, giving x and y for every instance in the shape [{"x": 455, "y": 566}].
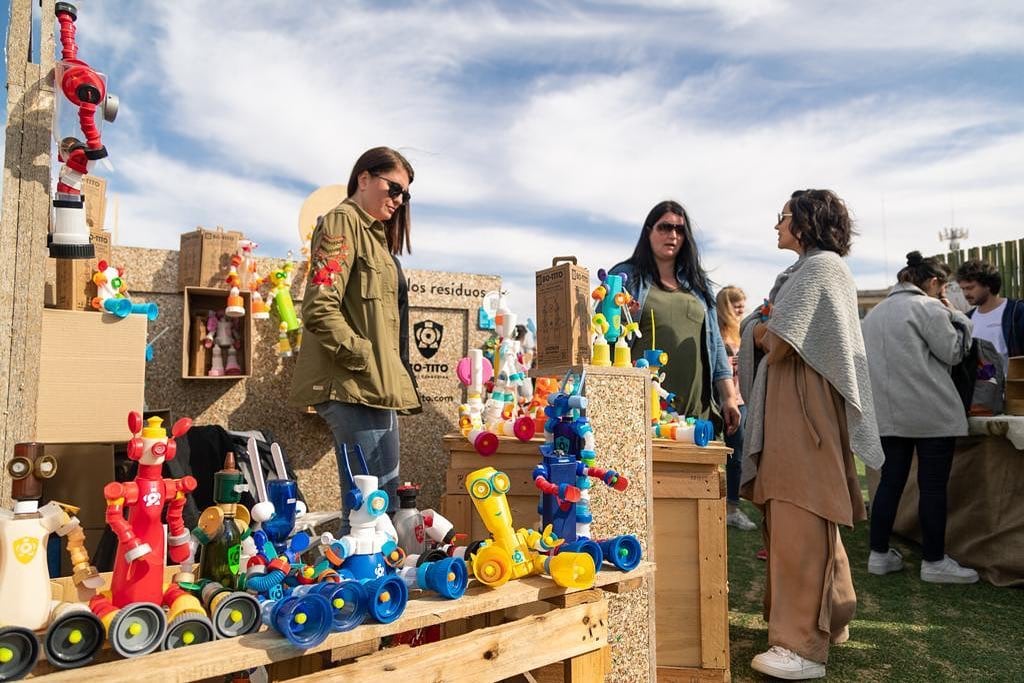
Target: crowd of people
[{"x": 797, "y": 387}]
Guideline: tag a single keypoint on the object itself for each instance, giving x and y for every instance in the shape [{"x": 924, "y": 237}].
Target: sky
[{"x": 539, "y": 129}]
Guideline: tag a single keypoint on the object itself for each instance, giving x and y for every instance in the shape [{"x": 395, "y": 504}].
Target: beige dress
[{"x": 807, "y": 485}]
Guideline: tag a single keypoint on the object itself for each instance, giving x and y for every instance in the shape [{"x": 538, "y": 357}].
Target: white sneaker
[
  {"x": 738, "y": 520},
  {"x": 947, "y": 570},
  {"x": 885, "y": 563},
  {"x": 782, "y": 663}
]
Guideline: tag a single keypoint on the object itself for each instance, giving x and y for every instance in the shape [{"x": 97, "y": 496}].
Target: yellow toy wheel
[{"x": 492, "y": 566}]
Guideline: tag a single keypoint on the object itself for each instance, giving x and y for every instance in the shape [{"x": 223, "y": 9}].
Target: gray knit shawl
[{"x": 815, "y": 311}]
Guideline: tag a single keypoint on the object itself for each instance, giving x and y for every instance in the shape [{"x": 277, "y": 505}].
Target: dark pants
[
  {"x": 934, "y": 462},
  {"x": 376, "y": 430},
  {"x": 733, "y": 465}
]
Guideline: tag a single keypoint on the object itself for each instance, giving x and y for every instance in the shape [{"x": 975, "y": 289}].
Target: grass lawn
[{"x": 905, "y": 630}]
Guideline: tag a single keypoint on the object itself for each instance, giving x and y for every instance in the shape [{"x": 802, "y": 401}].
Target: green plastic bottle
[{"x": 221, "y": 532}]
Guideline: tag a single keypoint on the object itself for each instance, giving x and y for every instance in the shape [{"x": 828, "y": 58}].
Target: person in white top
[{"x": 996, "y": 319}]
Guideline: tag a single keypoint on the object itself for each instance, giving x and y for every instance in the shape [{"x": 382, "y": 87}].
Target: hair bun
[{"x": 914, "y": 259}]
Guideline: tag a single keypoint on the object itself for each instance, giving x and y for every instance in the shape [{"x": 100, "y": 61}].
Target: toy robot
[
  {"x": 370, "y": 552},
  {"x": 223, "y": 528},
  {"x": 74, "y": 634},
  {"x": 132, "y": 615},
  {"x": 564, "y": 479},
  {"x": 611, "y": 308},
  {"x": 511, "y": 554}
]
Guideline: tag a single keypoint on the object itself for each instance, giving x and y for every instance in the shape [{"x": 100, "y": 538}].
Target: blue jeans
[
  {"x": 733, "y": 465},
  {"x": 376, "y": 431}
]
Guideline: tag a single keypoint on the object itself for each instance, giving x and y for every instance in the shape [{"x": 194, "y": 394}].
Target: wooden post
[{"x": 24, "y": 224}]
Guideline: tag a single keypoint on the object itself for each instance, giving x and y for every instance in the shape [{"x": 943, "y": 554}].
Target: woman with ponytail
[{"x": 913, "y": 338}]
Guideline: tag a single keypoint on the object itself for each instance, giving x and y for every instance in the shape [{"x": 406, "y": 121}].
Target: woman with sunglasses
[
  {"x": 665, "y": 277},
  {"x": 804, "y": 377},
  {"x": 354, "y": 367}
]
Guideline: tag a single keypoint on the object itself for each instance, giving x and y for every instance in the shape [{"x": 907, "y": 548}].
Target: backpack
[{"x": 990, "y": 380}]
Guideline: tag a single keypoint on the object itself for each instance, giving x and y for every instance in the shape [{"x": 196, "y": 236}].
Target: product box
[
  {"x": 94, "y": 189},
  {"x": 563, "y": 315},
  {"x": 92, "y": 374},
  {"x": 83, "y": 469},
  {"x": 205, "y": 257},
  {"x": 195, "y": 359},
  {"x": 74, "y": 289}
]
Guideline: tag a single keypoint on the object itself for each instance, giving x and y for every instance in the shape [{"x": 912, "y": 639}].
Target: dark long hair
[
  {"x": 688, "y": 258},
  {"x": 381, "y": 160}
]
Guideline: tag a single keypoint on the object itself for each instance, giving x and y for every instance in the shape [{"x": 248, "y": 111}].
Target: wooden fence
[{"x": 1007, "y": 257}]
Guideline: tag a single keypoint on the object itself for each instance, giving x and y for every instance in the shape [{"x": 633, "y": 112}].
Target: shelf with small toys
[{"x": 217, "y": 337}]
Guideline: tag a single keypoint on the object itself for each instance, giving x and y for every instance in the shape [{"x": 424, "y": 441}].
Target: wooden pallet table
[{"x": 574, "y": 632}]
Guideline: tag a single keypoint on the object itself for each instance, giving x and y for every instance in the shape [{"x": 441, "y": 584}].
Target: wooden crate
[
  {"x": 691, "y": 595},
  {"x": 515, "y": 458}
]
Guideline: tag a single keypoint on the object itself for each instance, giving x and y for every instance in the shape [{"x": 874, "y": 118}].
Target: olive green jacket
[{"x": 350, "y": 314}]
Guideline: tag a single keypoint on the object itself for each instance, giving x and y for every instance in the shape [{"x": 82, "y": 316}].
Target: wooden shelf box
[{"x": 195, "y": 358}]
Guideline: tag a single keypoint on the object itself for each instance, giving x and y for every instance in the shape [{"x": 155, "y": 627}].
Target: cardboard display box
[
  {"x": 74, "y": 288},
  {"x": 563, "y": 315},
  {"x": 195, "y": 358},
  {"x": 205, "y": 257},
  {"x": 92, "y": 374},
  {"x": 94, "y": 190}
]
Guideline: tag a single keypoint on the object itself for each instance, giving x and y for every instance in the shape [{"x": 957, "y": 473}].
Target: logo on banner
[{"x": 428, "y": 335}]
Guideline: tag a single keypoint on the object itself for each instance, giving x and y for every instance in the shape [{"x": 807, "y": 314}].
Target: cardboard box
[
  {"x": 205, "y": 257},
  {"x": 74, "y": 288},
  {"x": 83, "y": 469},
  {"x": 92, "y": 374},
  {"x": 563, "y": 315},
  {"x": 198, "y": 301},
  {"x": 94, "y": 189}
]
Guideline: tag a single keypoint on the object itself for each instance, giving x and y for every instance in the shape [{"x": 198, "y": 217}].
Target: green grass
[{"x": 905, "y": 630}]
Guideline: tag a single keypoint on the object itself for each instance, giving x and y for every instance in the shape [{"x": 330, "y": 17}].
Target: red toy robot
[{"x": 139, "y": 566}]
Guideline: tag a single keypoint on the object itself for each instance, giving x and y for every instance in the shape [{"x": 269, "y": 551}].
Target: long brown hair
[
  {"x": 381, "y": 160},
  {"x": 728, "y": 323}
]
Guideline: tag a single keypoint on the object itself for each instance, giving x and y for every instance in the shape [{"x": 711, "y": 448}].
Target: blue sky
[{"x": 546, "y": 128}]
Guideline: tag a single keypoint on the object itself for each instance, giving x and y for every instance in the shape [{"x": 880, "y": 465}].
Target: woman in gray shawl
[{"x": 805, "y": 379}]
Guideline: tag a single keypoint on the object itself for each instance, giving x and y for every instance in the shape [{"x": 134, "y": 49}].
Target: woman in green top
[
  {"x": 351, "y": 366},
  {"x": 664, "y": 276}
]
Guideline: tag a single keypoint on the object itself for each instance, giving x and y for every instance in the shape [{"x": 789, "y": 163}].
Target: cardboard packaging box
[
  {"x": 74, "y": 288},
  {"x": 205, "y": 257},
  {"x": 563, "y": 315},
  {"x": 92, "y": 374},
  {"x": 83, "y": 469},
  {"x": 195, "y": 358},
  {"x": 94, "y": 189}
]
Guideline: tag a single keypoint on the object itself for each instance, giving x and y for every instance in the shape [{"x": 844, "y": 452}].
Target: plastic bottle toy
[
  {"x": 611, "y": 322},
  {"x": 112, "y": 294},
  {"x": 280, "y": 297},
  {"x": 666, "y": 423},
  {"x": 236, "y": 304},
  {"x": 74, "y": 634},
  {"x": 565, "y": 473},
  {"x": 370, "y": 553},
  {"x": 131, "y": 613},
  {"x": 86, "y": 90},
  {"x": 277, "y": 503},
  {"x": 511, "y": 554},
  {"x": 223, "y": 527},
  {"x": 420, "y": 532}
]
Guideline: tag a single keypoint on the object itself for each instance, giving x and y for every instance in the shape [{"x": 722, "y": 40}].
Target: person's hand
[
  {"x": 945, "y": 302},
  {"x": 731, "y": 415}
]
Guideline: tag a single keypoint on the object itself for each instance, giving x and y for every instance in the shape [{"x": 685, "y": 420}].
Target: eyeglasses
[
  {"x": 668, "y": 228},
  {"x": 395, "y": 190},
  {"x": 781, "y": 216}
]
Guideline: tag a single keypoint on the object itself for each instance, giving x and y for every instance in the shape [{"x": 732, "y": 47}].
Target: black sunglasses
[
  {"x": 667, "y": 228},
  {"x": 395, "y": 190}
]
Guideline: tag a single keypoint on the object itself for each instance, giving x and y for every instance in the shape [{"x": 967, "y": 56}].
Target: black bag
[{"x": 965, "y": 374}]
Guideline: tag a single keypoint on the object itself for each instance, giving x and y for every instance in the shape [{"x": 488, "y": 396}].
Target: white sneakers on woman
[
  {"x": 946, "y": 570},
  {"x": 738, "y": 520},
  {"x": 786, "y": 664}
]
